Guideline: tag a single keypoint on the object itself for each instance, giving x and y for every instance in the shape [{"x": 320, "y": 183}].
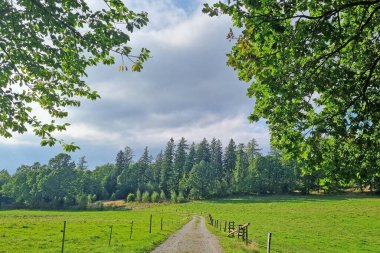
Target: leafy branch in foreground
[
  {"x": 46, "y": 47},
  {"x": 314, "y": 72}
]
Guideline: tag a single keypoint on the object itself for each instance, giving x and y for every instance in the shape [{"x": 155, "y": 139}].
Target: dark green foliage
[
  {"x": 45, "y": 51},
  {"x": 138, "y": 195},
  {"x": 181, "y": 198},
  {"x": 167, "y": 168},
  {"x": 314, "y": 69},
  {"x": 62, "y": 184},
  {"x": 173, "y": 197},
  {"x": 229, "y": 162}
]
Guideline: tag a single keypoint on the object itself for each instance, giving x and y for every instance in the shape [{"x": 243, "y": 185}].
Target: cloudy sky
[{"x": 185, "y": 89}]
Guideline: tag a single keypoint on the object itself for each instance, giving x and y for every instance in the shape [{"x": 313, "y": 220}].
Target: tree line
[{"x": 179, "y": 172}]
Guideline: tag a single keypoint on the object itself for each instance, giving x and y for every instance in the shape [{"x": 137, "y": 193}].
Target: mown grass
[
  {"x": 298, "y": 224},
  {"x": 40, "y": 231}
]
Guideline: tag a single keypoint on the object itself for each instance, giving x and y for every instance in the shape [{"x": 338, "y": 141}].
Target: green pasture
[
  {"x": 298, "y": 224},
  {"x": 40, "y": 231}
]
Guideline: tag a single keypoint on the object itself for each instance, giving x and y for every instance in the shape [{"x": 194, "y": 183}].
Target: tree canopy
[
  {"x": 314, "y": 72},
  {"x": 45, "y": 49}
]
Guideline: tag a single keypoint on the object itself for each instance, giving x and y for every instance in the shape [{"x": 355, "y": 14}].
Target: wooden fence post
[
  {"x": 109, "y": 241},
  {"x": 225, "y": 226},
  {"x": 63, "y": 236},
  {"x": 161, "y": 223},
  {"x": 268, "y": 242},
  {"x": 150, "y": 226},
  {"x": 246, "y": 236},
  {"x": 130, "y": 235}
]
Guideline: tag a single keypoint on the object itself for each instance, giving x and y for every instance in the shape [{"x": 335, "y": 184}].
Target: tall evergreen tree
[
  {"x": 156, "y": 168},
  {"x": 167, "y": 167},
  {"x": 216, "y": 168},
  {"x": 252, "y": 149},
  {"x": 241, "y": 169},
  {"x": 144, "y": 172},
  {"x": 190, "y": 159},
  {"x": 203, "y": 152},
  {"x": 179, "y": 163},
  {"x": 229, "y": 162}
]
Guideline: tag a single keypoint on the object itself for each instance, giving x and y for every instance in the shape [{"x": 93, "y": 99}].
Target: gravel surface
[{"x": 192, "y": 238}]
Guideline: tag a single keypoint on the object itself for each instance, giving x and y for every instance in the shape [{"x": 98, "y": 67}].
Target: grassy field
[
  {"x": 40, "y": 231},
  {"x": 298, "y": 224}
]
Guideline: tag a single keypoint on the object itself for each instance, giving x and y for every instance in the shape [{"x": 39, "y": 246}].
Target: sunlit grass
[
  {"x": 40, "y": 231},
  {"x": 298, "y": 224}
]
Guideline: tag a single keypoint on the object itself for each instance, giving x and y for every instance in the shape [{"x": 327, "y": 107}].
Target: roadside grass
[
  {"x": 86, "y": 231},
  {"x": 307, "y": 224}
]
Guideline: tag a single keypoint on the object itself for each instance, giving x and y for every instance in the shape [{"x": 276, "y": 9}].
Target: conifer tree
[{"x": 167, "y": 167}]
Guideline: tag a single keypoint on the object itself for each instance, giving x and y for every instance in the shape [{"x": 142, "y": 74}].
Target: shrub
[
  {"x": 173, "y": 197},
  {"x": 146, "y": 197},
  {"x": 181, "y": 198},
  {"x": 155, "y": 197},
  {"x": 131, "y": 197},
  {"x": 138, "y": 195},
  {"x": 162, "y": 196},
  {"x": 82, "y": 202},
  {"x": 113, "y": 196}
]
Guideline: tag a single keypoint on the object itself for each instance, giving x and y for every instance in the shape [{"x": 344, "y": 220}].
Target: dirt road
[{"x": 192, "y": 238}]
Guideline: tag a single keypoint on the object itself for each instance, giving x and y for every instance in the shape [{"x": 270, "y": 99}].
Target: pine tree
[
  {"x": 179, "y": 163},
  {"x": 252, "y": 149},
  {"x": 229, "y": 162},
  {"x": 216, "y": 167},
  {"x": 167, "y": 167},
  {"x": 190, "y": 159},
  {"x": 144, "y": 172},
  {"x": 241, "y": 169},
  {"x": 156, "y": 168},
  {"x": 203, "y": 152}
]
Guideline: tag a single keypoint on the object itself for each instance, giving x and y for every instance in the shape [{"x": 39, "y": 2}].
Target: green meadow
[
  {"x": 87, "y": 231},
  {"x": 347, "y": 223},
  {"x": 298, "y": 224}
]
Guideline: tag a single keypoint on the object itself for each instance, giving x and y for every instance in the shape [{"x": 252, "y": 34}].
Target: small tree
[
  {"x": 162, "y": 196},
  {"x": 173, "y": 197},
  {"x": 155, "y": 197},
  {"x": 181, "y": 198},
  {"x": 82, "y": 202},
  {"x": 131, "y": 197},
  {"x": 138, "y": 195},
  {"x": 145, "y": 197}
]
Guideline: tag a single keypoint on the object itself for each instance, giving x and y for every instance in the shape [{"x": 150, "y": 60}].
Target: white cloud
[{"x": 185, "y": 90}]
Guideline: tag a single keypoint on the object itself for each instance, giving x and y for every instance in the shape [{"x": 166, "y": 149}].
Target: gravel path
[{"x": 192, "y": 238}]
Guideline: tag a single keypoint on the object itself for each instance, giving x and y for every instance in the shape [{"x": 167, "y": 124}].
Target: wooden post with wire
[
  {"x": 63, "y": 236},
  {"x": 109, "y": 241},
  {"x": 150, "y": 225},
  {"x": 268, "y": 242},
  {"x": 130, "y": 235}
]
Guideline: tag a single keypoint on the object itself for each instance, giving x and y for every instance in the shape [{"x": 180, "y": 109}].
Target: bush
[
  {"x": 113, "y": 196},
  {"x": 131, "y": 197},
  {"x": 162, "y": 196},
  {"x": 155, "y": 197},
  {"x": 82, "y": 202},
  {"x": 138, "y": 195},
  {"x": 173, "y": 197},
  {"x": 181, "y": 198},
  {"x": 145, "y": 197}
]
